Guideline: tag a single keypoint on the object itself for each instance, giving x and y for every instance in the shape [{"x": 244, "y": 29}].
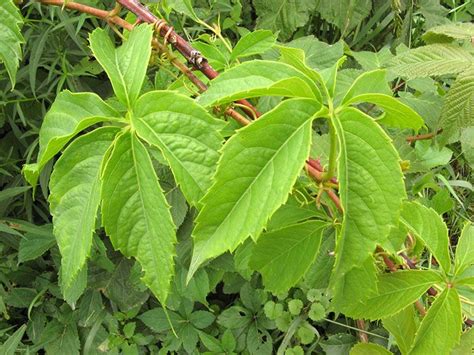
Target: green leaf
[
  {"x": 185, "y": 133},
  {"x": 434, "y": 59},
  {"x": 296, "y": 57},
  {"x": 10, "y": 38},
  {"x": 446, "y": 33},
  {"x": 403, "y": 327},
  {"x": 257, "y": 78},
  {"x": 345, "y": 14},
  {"x": 33, "y": 245},
  {"x": 202, "y": 319},
  {"x": 126, "y": 66},
  {"x": 396, "y": 114},
  {"x": 465, "y": 344},
  {"x": 427, "y": 225},
  {"x": 74, "y": 199},
  {"x": 368, "y": 349},
  {"x": 440, "y": 329},
  {"x": 373, "y": 60},
  {"x": 371, "y": 189},
  {"x": 253, "y": 43},
  {"x": 70, "y": 114},
  {"x": 11, "y": 192},
  {"x": 135, "y": 213},
  {"x": 465, "y": 250},
  {"x": 467, "y": 144},
  {"x": 284, "y": 255},
  {"x": 283, "y": 16},
  {"x": 395, "y": 292},
  {"x": 10, "y": 346},
  {"x": 76, "y": 288},
  {"x": 371, "y": 82},
  {"x": 257, "y": 170},
  {"x": 319, "y": 55},
  {"x": 458, "y": 106},
  {"x": 357, "y": 284}
]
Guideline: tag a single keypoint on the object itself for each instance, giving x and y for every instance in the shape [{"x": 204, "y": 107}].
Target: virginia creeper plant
[{"x": 243, "y": 183}]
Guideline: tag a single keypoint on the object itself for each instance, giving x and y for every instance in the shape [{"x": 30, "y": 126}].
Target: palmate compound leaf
[
  {"x": 428, "y": 226},
  {"x": 69, "y": 114},
  {"x": 371, "y": 191},
  {"x": 440, "y": 329},
  {"x": 284, "y": 255},
  {"x": 135, "y": 213},
  {"x": 395, "y": 292},
  {"x": 465, "y": 249},
  {"x": 126, "y": 66},
  {"x": 402, "y": 326},
  {"x": 74, "y": 199},
  {"x": 259, "y": 78},
  {"x": 372, "y": 87},
  {"x": 185, "y": 133},
  {"x": 256, "y": 172},
  {"x": 10, "y": 37}
]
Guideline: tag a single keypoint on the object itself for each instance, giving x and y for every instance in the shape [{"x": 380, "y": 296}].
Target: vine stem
[
  {"x": 180, "y": 44},
  {"x": 332, "y": 150},
  {"x": 105, "y": 15},
  {"x": 419, "y": 137}
]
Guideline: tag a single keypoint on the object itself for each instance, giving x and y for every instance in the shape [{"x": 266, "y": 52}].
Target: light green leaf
[
  {"x": 371, "y": 189},
  {"x": 11, "y": 344},
  {"x": 345, "y": 14},
  {"x": 283, "y": 16},
  {"x": 427, "y": 225},
  {"x": 10, "y": 37},
  {"x": 465, "y": 250},
  {"x": 253, "y": 43},
  {"x": 296, "y": 57},
  {"x": 135, "y": 213},
  {"x": 403, "y": 327},
  {"x": 395, "y": 292},
  {"x": 74, "y": 199},
  {"x": 258, "y": 168},
  {"x": 284, "y": 255},
  {"x": 368, "y": 349},
  {"x": 396, "y": 114},
  {"x": 69, "y": 114},
  {"x": 444, "y": 33},
  {"x": 458, "y": 106},
  {"x": 467, "y": 144},
  {"x": 187, "y": 135},
  {"x": 434, "y": 59},
  {"x": 319, "y": 55},
  {"x": 126, "y": 66},
  {"x": 465, "y": 344},
  {"x": 76, "y": 288},
  {"x": 357, "y": 284},
  {"x": 371, "y": 82},
  {"x": 257, "y": 78},
  {"x": 373, "y": 60},
  {"x": 440, "y": 329},
  {"x": 184, "y": 7}
]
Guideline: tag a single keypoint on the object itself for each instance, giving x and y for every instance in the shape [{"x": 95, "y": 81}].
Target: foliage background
[{"x": 223, "y": 309}]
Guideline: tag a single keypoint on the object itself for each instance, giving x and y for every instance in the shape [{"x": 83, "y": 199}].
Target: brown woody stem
[
  {"x": 179, "y": 43},
  {"x": 425, "y": 136}
]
